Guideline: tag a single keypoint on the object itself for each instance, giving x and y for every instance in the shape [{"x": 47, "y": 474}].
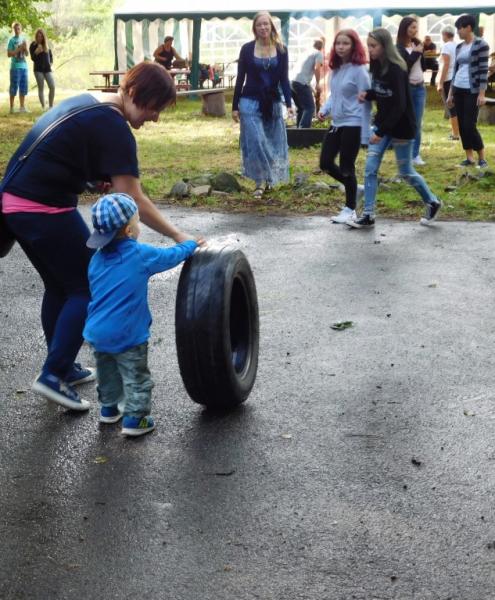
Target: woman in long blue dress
[{"x": 262, "y": 69}]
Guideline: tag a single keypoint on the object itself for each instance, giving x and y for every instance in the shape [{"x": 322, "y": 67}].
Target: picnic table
[{"x": 180, "y": 76}]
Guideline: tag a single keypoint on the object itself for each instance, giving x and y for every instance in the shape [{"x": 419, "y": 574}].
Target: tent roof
[{"x": 146, "y": 9}]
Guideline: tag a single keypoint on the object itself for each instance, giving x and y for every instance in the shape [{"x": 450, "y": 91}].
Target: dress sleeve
[
  {"x": 284, "y": 78},
  {"x": 241, "y": 75}
]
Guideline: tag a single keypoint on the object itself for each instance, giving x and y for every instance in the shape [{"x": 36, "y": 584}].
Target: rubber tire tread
[{"x": 202, "y": 323}]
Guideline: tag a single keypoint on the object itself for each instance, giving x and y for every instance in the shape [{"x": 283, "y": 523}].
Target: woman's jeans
[
  {"x": 56, "y": 246},
  {"x": 403, "y": 154},
  {"x": 467, "y": 108},
  {"x": 418, "y": 96},
  {"x": 40, "y": 80},
  {"x": 345, "y": 141},
  {"x": 305, "y": 103},
  {"x": 124, "y": 378}
]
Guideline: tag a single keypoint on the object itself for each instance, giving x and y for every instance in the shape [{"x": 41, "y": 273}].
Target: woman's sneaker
[
  {"x": 110, "y": 414},
  {"x": 431, "y": 212},
  {"x": 135, "y": 426},
  {"x": 56, "y": 390},
  {"x": 79, "y": 374},
  {"x": 363, "y": 222},
  {"x": 344, "y": 215}
]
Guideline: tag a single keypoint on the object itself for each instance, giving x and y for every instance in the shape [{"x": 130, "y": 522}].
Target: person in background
[
  {"x": 119, "y": 318},
  {"x": 17, "y": 52},
  {"x": 467, "y": 92},
  {"x": 302, "y": 92},
  {"x": 411, "y": 50},
  {"x": 40, "y": 208},
  {"x": 166, "y": 53},
  {"x": 447, "y": 53},
  {"x": 430, "y": 56},
  {"x": 394, "y": 124},
  {"x": 42, "y": 57},
  {"x": 262, "y": 68},
  {"x": 350, "y": 118}
]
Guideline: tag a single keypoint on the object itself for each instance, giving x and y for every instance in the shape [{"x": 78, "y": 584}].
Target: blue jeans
[
  {"x": 56, "y": 246},
  {"x": 305, "y": 103},
  {"x": 125, "y": 379},
  {"x": 418, "y": 96},
  {"x": 403, "y": 154}
]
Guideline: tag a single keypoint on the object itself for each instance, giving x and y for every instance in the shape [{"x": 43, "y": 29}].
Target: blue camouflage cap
[{"x": 109, "y": 214}]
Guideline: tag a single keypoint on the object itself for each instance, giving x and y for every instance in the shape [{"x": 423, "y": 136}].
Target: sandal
[{"x": 258, "y": 192}]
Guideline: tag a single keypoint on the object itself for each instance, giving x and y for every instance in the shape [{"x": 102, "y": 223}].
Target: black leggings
[
  {"x": 467, "y": 114},
  {"x": 346, "y": 141}
]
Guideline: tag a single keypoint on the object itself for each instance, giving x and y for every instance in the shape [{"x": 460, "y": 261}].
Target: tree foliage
[{"x": 30, "y": 13}]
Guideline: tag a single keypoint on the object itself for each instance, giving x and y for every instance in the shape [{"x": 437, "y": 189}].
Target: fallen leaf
[
  {"x": 339, "y": 326},
  {"x": 432, "y": 285},
  {"x": 286, "y": 436},
  {"x": 469, "y": 413},
  {"x": 101, "y": 460},
  {"x": 416, "y": 462}
]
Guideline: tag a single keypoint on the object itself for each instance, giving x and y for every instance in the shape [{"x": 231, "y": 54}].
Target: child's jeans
[{"x": 125, "y": 379}]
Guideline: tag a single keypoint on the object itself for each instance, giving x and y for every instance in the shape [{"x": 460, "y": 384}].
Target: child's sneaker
[
  {"x": 79, "y": 374},
  {"x": 59, "y": 392},
  {"x": 110, "y": 414},
  {"x": 346, "y": 214},
  {"x": 135, "y": 426}
]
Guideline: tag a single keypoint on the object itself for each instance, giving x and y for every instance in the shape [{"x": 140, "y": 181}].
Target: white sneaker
[
  {"x": 346, "y": 214},
  {"x": 417, "y": 160},
  {"x": 23, "y": 109}
]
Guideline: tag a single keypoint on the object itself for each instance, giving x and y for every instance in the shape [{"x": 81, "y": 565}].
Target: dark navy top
[
  {"x": 91, "y": 146},
  {"x": 255, "y": 81}
]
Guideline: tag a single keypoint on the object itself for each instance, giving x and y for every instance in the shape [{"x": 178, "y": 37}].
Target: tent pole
[
  {"x": 285, "y": 26},
  {"x": 195, "y": 53},
  {"x": 377, "y": 20},
  {"x": 116, "y": 60}
]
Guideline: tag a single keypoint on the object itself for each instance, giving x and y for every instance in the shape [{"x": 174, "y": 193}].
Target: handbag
[{"x": 43, "y": 126}]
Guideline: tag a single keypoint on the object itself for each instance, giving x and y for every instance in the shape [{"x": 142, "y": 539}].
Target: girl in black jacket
[
  {"x": 394, "y": 124},
  {"x": 41, "y": 55}
]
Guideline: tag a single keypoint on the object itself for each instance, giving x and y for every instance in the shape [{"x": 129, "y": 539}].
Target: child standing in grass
[{"x": 119, "y": 318}]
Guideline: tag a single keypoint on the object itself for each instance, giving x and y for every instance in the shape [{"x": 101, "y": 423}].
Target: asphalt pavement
[{"x": 362, "y": 466}]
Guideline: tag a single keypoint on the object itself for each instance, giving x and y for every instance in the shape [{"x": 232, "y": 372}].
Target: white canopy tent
[{"x": 140, "y": 26}]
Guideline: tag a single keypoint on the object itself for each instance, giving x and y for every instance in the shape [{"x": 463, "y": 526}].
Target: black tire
[{"x": 217, "y": 327}]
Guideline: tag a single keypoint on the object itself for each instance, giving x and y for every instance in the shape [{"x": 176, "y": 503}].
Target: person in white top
[
  {"x": 411, "y": 50},
  {"x": 448, "y": 60},
  {"x": 467, "y": 92}
]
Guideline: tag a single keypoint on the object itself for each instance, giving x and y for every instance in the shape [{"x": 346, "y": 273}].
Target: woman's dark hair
[
  {"x": 402, "y": 37},
  {"x": 168, "y": 38},
  {"x": 150, "y": 85},
  {"x": 466, "y": 21}
]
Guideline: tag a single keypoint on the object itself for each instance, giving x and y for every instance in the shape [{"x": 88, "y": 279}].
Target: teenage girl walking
[
  {"x": 394, "y": 124},
  {"x": 350, "y": 117}
]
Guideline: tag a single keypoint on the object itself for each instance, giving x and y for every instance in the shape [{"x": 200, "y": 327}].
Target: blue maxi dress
[{"x": 264, "y": 149}]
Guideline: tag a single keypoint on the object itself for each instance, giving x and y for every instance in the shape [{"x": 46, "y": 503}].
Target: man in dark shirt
[{"x": 166, "y": 53}]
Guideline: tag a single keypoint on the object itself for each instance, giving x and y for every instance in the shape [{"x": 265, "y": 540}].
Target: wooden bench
[
  {"x": 213, "y": 100},
  {"x": 487, "y": 112}
]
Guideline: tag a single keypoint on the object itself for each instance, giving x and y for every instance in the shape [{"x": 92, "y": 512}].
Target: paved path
[{"x": 362, "y": 466}]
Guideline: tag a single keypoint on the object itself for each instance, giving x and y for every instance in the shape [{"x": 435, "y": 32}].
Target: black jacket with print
[{"x": 395, "y": 112}]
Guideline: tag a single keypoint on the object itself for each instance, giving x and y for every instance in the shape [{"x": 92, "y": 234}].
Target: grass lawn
[{"x": 185, "y": 144}]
